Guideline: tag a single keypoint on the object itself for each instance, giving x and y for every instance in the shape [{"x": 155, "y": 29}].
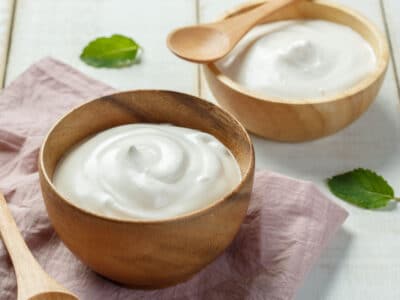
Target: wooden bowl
[
  {"x": 137, "y": 253},
  {"x": 304, "y": 119}
]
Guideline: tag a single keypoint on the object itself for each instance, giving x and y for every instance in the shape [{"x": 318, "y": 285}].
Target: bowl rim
[
  {"x": 248, "y": 174},
  {"x": 381, "y": 64}
]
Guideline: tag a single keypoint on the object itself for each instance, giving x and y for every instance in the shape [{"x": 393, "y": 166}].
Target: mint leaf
[
  {"x": 116, "y": 51},
  {"x": 363, "y": 188}
]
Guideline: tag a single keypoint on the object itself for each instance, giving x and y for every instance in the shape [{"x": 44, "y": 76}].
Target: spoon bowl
[
  {"x": 53, "y": 296},
  {"x": 214, "y": 45}
]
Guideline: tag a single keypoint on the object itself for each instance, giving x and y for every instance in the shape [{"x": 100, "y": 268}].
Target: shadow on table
[
  {"x": 372, "y": 141},
  {"x": 319, "y": 281}
]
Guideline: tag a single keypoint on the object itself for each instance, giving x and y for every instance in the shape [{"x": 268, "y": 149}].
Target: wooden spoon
[
  {"x": 33, "y": 282},
  {"x": 210, "y": 42}
]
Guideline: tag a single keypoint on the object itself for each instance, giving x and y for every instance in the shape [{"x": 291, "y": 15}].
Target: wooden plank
[
  {"x": 362, "y": 262},
  {"x": 62, "y": 28},
  {"x": 391, "y": 10},
  {"x": 6, "y": 16}
]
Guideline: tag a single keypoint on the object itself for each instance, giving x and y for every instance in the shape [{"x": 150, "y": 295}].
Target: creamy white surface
[
  {"x": 300, "y": 60},
  {"x": 146, "y": 171}
]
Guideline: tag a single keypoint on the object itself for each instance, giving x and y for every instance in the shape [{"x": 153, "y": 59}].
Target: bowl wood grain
[{"x": 137, "y": 253}]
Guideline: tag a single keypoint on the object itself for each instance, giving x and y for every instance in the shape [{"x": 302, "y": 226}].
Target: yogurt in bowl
[
  {"x": 147, "y": 171},
  {"x": 305, "y": 72},
  {"x": 144, "y": 203},
  {"x": 300, "y": 59}
]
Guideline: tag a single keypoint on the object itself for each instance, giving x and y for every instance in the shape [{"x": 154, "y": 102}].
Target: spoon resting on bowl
[
  {"x": 209, "y": 42},
  {"x": 33, "y": 282}
]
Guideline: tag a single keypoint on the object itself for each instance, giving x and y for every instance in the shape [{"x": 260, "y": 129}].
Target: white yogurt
[
  {"x": 146, "y": 171},
  {"x": 300, "y": 60}
]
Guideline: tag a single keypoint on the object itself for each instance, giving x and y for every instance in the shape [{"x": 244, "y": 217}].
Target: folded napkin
[{"x": 288, "y": 222}]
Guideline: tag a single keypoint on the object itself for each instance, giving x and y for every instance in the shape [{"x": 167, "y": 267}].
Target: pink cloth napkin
[{"x": 288, "y": 223}]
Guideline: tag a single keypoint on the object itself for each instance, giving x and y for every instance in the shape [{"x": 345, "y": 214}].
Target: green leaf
[
  {"x": 116, "y": 51},
  {"x": 363, "y": 188}
]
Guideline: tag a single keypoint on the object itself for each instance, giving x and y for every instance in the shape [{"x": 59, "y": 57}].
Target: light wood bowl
[
  {"x": 137, "y": 253},
  {"x": 302, "y": 120}
]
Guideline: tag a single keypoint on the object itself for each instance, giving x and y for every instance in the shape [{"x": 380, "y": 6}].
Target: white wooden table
[{"x": 363, "y": 262}]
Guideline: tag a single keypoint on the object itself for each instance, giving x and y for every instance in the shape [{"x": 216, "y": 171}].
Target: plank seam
[
  {"x": 387, "y": 30},
  {"x": 199, "y": 93},
  {"x": 9, "y": 39}
]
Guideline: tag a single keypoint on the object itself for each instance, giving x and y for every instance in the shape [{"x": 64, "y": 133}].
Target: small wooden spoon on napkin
[{"x": 33, "y": 282}]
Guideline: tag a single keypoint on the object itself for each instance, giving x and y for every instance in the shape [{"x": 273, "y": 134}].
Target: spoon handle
[
  {"x": 238, "y": 26},
  {"x": 31, "y": 278}
]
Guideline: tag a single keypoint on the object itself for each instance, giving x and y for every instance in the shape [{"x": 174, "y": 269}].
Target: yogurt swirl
[
  {"x": 300, "y": 60},
  {"x": 146, "y": 171}
]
